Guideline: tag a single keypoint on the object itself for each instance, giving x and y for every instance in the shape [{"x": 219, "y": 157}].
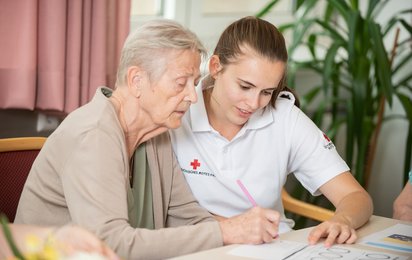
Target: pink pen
[
  {"x": 246, "y": 192},
  {"x": 250, "y": 198}
]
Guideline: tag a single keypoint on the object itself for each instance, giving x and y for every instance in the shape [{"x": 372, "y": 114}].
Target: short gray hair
[{"x": 151, "y": 42}]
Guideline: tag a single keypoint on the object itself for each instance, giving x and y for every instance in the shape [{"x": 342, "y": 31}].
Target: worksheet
[
  {"x": 289, "y": 250},
  {"x": 397, "y": 237},
  {"x": 343, "y": 252},
  {"x": 278, "y": 249}
]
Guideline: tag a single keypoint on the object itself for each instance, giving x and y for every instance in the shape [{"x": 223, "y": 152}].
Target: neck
[{"x": 136, "y": 127}]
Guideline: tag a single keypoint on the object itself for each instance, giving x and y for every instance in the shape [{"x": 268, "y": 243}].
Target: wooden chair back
[{"x": 16, "y": 158}]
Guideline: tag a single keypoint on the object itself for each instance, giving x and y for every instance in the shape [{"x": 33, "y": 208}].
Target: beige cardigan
[{"x": 81, "y": 177}]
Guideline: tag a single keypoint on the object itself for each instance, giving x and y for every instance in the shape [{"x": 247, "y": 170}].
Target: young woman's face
[{"x": 244, "y": 86}]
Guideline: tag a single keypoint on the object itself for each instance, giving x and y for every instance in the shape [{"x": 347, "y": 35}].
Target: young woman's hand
[{"x": 336, "y": 230}]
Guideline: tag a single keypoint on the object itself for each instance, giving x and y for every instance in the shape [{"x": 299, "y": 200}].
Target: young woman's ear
[{"x": 214, "y": 66}]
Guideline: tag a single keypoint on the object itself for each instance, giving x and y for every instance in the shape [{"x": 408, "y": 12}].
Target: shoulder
[{"x": 285, "y": 106}]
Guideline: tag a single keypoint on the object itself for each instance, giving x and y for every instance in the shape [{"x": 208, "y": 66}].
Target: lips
[
  {"x": 181, "y": 111},
  {"x": 244, "y": 113}
]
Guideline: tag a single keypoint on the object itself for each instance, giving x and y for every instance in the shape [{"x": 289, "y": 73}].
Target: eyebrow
[
  {"x": 186, "y": 75},
  {"x": 249, "y": 83}
]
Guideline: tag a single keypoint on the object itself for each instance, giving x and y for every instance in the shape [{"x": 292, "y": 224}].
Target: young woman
[{"x": 246, "y": 133}]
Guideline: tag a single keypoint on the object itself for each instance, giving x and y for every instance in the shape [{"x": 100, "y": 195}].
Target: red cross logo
[
  {"x": 195, "y": 164},
  {"x": 326, "y": 137}
]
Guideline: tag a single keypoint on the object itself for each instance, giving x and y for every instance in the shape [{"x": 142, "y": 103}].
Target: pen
[
  {"x": 250, "y": 198},
  {"x": 246, "y": 192}
]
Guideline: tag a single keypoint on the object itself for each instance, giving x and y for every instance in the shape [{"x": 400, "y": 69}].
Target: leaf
[
  {"x": 304, "y": 9},
  {"x": 405, "y": 80},
  {"x": 371, "y": 7},
  {"x": 266, "y": 9},
  {"x": 341, "y": 7},
  {"x": 329, "y": 65},
  {"x": 284, "y": 27},
  {"x": 310, "y": 96},
  {"x": 406, "y": 103},
  {"x": 319, "y": 113},
  {"x": 354, "y": 27},
  {"x": 350, "y": 139},
  {"x": 335, "y": 35},
  {"x": 383, "y": 69},
  {"x": 406, "y": 25},
  {"x": 299, "y": 32},
  {"x": 408, "y": 154},
  {"x": 9, "y": 237},
  {"x": 405, "y": 61},
  {"x": 311, "y": 45},
  {"x": 377, "y": 10},
  {"x": 393, "y": 21},
  {"x": 354, "y": 4}
]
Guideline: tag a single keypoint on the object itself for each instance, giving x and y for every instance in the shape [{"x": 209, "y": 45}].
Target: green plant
[
  {"x": 4, "y": 222},
  {"x": 360, "y": 77}
]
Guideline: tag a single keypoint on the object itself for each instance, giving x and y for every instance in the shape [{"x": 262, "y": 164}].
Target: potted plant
[{"x": 360, "y": 76}]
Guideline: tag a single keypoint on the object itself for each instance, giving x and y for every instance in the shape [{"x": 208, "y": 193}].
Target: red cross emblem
[
  {"x": 326, "y": 137},
  {"x": 195, "y": 164}
]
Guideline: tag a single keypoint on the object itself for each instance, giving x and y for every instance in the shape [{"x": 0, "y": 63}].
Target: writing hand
[{"x": 255, "y": 226}]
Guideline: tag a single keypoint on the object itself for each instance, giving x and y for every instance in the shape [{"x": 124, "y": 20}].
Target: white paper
[
  {"x": 341, "y": 252},
  {"x": 277, "y": 250},
  {"x": 289, "y": 250},
  {"x": 397, "y": 237}
]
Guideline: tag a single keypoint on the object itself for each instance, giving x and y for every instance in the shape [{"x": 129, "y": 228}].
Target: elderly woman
[{"x": 110, "y": 167}]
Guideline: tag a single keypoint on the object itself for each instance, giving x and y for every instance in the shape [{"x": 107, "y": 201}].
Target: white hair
[{"x": 152, "y": 42}]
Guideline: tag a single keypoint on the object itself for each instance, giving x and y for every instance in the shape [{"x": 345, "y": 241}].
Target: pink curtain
[{"x": 55, "y": 53}]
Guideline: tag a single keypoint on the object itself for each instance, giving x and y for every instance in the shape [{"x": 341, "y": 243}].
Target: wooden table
[{"x": 375, "y": 224}]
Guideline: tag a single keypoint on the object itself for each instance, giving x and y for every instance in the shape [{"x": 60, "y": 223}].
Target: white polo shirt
[{"x": 272, "y": 144}]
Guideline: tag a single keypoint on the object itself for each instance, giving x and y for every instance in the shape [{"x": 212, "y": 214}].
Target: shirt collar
[{"x": 198, "y": 115}]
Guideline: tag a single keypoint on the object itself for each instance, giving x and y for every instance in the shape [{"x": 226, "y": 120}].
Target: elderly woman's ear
[{"x": 134, "y": 80}]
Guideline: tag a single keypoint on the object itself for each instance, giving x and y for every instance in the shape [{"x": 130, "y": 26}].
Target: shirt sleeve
[{"x": 313, "y": 156}]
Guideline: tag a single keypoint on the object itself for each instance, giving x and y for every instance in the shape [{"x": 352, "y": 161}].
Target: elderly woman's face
[{"x": 168, "y": 98}]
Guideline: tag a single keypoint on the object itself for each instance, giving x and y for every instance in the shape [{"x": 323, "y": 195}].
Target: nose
[
  {"x": 253, "y": 101},
  {"x": 191, "y": 95}
]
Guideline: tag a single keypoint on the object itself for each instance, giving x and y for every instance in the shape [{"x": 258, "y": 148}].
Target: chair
[
  {"x": 305, "y": 209},
  {"x": 16, "y": 158}
]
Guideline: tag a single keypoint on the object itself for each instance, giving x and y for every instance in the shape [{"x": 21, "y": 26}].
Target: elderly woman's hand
[
  {"x": 76, "y": 240},
  {"x": 255, "y": 226}
]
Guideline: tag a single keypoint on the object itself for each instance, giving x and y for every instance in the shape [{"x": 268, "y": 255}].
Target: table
[{"x": 375, "y": 224}]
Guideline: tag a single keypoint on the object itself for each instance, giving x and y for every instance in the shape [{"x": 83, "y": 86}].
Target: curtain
[{"x": 54, "y": 54}]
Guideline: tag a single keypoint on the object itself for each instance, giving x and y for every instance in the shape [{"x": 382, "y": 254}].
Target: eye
[
  {"x": 267, "y": 92},
  {"x": 244, "y": 87},
  {"x": 181, "y": 83}
]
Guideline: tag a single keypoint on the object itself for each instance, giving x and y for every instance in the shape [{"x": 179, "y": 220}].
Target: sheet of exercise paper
[{"x": 282, "y": 250}]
